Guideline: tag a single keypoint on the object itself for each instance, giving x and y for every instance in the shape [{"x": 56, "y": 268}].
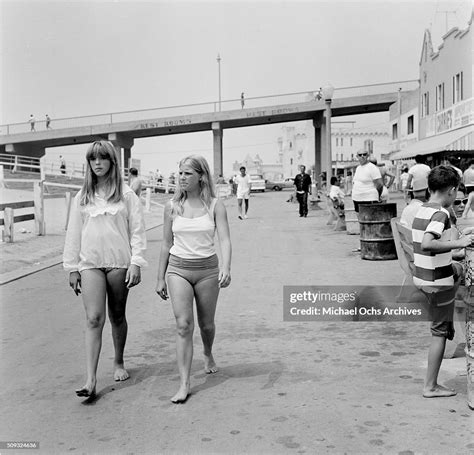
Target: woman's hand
[
  {"x": 75, "y": 282},
  {"x": 133, "y": 276},
  {"x": 224, "y": 278},
  {"x": 161, "y": 289}
]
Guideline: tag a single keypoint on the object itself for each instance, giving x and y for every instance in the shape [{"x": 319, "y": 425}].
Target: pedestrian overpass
[{"x": 122, "y": 128}]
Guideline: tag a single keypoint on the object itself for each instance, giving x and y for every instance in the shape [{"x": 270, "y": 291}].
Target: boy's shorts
[
  {"x": 441, "y": 302},
  {"x": 243, "y": 195}
]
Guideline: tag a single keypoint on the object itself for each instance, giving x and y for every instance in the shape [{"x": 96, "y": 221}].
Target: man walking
[
  {"x": 243, "y": 191},
  {"x": 32, "y": 122},
  {"x": 242, "y": 100},
  {"x": 303, "y": 187},
  {"x": 62, "y": 164}
]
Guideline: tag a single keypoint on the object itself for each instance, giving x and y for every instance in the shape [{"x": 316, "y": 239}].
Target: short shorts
[
  {"x": 244, "y": 195},
  {"x": 194, "y": 270}
]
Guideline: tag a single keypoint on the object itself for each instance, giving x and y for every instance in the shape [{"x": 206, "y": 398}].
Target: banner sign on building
[{"x": 456, "y": 116}]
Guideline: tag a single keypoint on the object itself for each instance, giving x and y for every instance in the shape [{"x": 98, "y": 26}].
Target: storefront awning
[{"x": 460, "y": 139}]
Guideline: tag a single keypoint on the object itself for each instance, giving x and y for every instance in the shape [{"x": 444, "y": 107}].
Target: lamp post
[
  {"x": 328, "y": 92},
  {"x": 219, "y": 67}
]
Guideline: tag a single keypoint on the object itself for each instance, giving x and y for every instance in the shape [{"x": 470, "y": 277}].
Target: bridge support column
[
  {"x": 317, "y": 123},
  {"x": 123, "y": 145},
  {"x": 218, "y": 162},
  {"x": 324, "y": 152}
]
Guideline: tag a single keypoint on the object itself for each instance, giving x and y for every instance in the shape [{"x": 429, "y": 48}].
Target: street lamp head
[
  {"x": 218, "y": 58},
  {"x": 328, "y": 92}
]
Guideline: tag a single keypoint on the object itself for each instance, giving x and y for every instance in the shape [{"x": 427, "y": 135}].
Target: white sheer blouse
[{"x": 104, "y": 234}]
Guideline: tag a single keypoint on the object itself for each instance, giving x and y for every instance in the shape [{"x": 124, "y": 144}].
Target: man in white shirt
[
  {"x": 367, "y": 183},
  {"x": 418, "y": 178},
  {"x": 409, "y": 213},
  {"x": 32, "y": 121},
  {"x": 243, "y": 191}
]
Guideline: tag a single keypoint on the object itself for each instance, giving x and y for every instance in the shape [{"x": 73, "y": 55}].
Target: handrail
[{"x": 114, "y": 117}]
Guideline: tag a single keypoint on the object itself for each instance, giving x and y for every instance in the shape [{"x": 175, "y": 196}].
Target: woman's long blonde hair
[
  {"x": 113, "y": 183},
  {"x": 207, "y": 191}
]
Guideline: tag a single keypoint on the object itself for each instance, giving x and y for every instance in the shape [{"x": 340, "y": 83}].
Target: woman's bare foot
[
  {"x": 120, "y": 373},
  {"x": 88, "y": 390},
  {"x": 182, "y": 394},
  {"x": 209, "y": 364},
  {"x": 438, "y": 391}
]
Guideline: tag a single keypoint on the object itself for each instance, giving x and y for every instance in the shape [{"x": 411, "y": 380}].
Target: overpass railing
[{"x": 209, "y": 107}]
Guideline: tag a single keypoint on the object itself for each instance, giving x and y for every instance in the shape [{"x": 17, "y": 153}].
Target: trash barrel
[{"x": 376, "y": 237}]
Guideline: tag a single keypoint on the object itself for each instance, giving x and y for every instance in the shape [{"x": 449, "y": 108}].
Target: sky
[{"x": 77, "y": 58}]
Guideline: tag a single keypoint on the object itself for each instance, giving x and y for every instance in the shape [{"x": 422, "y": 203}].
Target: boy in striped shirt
[{"x": 435, "y": 273}]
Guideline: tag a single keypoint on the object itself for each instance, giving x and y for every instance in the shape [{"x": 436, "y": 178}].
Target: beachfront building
[
  {"x": 443, "y": 121},
  {"x": 296, "y": 145},
  {"x": 404, "y": 120},
  {"x": 348, "y": 140}
]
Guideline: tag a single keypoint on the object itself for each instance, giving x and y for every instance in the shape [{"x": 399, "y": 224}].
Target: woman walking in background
[
  {"x": 190, "y": 265},
  {"x": 103, "y": 253}
]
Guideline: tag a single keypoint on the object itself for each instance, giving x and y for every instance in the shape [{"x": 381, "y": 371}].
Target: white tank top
[{"x": 193, "y": 238}]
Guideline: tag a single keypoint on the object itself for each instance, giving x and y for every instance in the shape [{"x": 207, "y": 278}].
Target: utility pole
[{"x": 219, "y": 68}]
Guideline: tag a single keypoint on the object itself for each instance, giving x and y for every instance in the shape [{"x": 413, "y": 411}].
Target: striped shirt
[{"x": 432, "y": 270}]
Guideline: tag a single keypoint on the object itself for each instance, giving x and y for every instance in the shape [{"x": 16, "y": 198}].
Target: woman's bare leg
[
  {"x": 93, "y": 286},
  {"x": 206, "y": 293},
  {"x": 182, "y": 296},
  {"x": 117, "y": 293}
]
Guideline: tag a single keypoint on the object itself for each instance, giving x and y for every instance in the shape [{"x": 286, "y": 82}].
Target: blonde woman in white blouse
[
  {"x": 103, "y": 253},
  {"x": 188, "y": 265}
]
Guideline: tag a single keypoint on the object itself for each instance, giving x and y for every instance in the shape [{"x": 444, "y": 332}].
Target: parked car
[
  {"x": 279, "y": 185},
  {"x": 257, "y": 183}
]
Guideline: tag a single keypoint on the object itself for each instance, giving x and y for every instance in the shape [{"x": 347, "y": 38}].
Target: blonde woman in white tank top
[{"x": 188, "y": 267}]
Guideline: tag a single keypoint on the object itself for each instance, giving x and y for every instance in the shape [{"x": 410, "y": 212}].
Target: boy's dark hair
[
  {"x": 334, "y": 180},
  {"x": 471, "y": 162},
  {"x": 452, "y": 160},
  {"x": 242, "y": 167},
  {"x": 420, "y": 159},
  {"x": 443, "y": 177},
  {"x": 133, "y": 171}
]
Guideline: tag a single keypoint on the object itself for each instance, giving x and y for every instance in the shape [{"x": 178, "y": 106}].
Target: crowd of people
[
  {"x": 439, "y": 197},
  {"x": 105, "y": 250}
]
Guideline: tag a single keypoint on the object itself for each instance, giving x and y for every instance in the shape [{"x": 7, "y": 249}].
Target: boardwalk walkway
[{"x": 307, "y": 387}]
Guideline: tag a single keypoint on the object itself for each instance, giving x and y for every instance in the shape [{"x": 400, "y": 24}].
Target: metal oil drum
[{"x": 376, "y": 237}]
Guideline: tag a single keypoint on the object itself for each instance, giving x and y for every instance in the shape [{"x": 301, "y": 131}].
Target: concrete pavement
[{"x": 283, "y": 387}]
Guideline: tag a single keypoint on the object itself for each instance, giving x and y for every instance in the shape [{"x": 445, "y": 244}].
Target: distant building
[
  {"x": 270, "y": 171},
  {"x": 444, "y": 118},
  {"x": 296, "y": 146},
  {"x": 404, "y": 120},
  {"x": 346, "y": 142}
]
